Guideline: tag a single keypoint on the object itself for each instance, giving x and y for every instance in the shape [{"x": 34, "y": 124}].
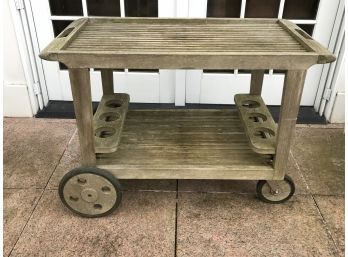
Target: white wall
[
  {"x": 16, "y": 97},
  {"x": 338, "y": 110}
]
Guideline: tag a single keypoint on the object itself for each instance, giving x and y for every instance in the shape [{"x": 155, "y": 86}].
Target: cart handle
[
  {"x": 62, "y": 40},
  {"x": 325, "y": 56}
]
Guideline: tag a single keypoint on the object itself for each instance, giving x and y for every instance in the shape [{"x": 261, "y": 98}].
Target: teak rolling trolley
[{"x": 150, "y": 43}]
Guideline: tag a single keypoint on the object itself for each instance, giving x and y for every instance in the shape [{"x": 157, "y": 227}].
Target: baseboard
[{"x": 16, "y": 101}]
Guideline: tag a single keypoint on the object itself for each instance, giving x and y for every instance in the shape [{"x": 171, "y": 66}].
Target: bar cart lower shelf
[
  {"x": 176, "y": 144},
  {"x": 185, "y": 144}
]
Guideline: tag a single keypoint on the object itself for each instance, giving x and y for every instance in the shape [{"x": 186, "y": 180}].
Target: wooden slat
[
  {"x": 186, "y": 60},
  {"x": 108, "y": 122},
  {"x": 187, "y": 150},
  {"x": 258, "y": 123}
]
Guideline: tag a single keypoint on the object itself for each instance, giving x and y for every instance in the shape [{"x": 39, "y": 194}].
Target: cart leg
[
  {"x": 292, "y": 92},
  {"x": 256, "y": 82},
  {"x": 81, "y": 91},
  {"x": 107, "y": 81}
]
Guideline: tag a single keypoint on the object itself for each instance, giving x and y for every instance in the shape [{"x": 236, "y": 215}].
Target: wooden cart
[{"x": 258, "y": 152}]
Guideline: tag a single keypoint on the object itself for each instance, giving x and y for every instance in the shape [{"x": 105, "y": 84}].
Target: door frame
[
  {"x": 334, "y": 45},
  {"x": 22, "y": 18}
]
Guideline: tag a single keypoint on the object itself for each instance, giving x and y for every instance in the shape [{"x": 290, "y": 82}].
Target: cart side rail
[
  {"x": 325, "y": 56},
  {"x": 62, "y": 40}
]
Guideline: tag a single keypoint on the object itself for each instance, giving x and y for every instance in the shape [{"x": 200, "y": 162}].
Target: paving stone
[
  {"x": 240, "y": 225},
  {"x": 18, "y": 206},
  {"x": 32, "y": 149},
  {"x": 70, "y": 160},
  {"x": 319, "y": 153},
  {"x": 240, "y": 186},
  {"x": 143, "y": 225},
  {"x": 209, "y": 224},
  {"x": 332, "y": 209}
]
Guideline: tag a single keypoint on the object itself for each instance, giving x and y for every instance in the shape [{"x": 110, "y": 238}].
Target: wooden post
[
  {"x": 292, "y": 92},
  {"x": 107, "y": 81},
  {"x": 81, "y": 91},
  {"x": 256, "y": 82}
]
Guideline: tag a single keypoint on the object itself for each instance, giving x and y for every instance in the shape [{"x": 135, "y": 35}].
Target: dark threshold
[{"x": 65, "y": 110}]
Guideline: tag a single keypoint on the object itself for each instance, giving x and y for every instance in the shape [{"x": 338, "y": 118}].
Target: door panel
[
  {"x": 220, "y": 88},
  {"x": 314, "y": 16},
  {"x": 307, "y": 11},
  {"x": 143, "y": 8},
  {"x": 224, "y": 8},
  {"x": 261, "y": 9},
  {"x": 66, "y": 7},
  {"x": 103, "y": 8}
]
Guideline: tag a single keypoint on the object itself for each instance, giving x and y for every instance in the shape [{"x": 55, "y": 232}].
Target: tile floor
[{"x": 168, "y": 217}]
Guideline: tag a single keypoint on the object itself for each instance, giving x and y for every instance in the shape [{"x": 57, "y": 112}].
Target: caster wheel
[
  {"x": 90, "y": 192},
  {"x": 280, "y": 192}
]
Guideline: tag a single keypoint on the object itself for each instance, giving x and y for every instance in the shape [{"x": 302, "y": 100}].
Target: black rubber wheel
[
  {"x": 284, "y": 190},
  {"x": 90, "y": 192}
]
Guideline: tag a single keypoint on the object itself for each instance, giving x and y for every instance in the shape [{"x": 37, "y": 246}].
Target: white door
[
  {"x": 316, "y": 17},
  {"x": 146, "y": 86}
]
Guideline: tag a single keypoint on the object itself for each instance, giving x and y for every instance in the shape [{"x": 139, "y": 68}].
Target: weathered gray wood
[
  {"x": 201, "y": 43},
  {"x": 258, "y": 123},
  {"x": 81, "y": 91},
  {"x": 178, "y": 144},
  {"x": 324, "y": 55},
  {"x": 256, "y": 82},
  {"x": 292, "y": 92},
  {"x": 107, "y": 81},
  {"x": 198, "y": 172},
  {"x": 197, "y": 147},
  {"x": 186, "y": 60},
  {"x": 63, "y": 39},
  {"x": 108, "y": 122}
]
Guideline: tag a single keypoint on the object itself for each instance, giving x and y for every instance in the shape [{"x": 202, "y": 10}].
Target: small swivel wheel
[
  {"x": 90, "y": 192},
  {"x": 275, "y": 191}
]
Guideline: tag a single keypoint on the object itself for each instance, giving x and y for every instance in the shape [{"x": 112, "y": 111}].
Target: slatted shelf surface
[
  {"x": 185, "y": 144},
  {"x": 167, "y": 37}
]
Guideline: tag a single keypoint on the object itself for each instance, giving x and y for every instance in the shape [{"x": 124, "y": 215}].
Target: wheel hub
[
  {"x": 274, "y": 192},
  {"x": 277, "y": 191},
  {"x": 89, "y": 195}
]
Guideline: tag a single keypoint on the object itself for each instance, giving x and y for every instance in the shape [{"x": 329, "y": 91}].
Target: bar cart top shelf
[{"x": 201, "y": 43}]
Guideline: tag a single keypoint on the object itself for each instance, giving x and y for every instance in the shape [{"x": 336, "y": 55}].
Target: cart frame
[{"x": 283, "y": 46}]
